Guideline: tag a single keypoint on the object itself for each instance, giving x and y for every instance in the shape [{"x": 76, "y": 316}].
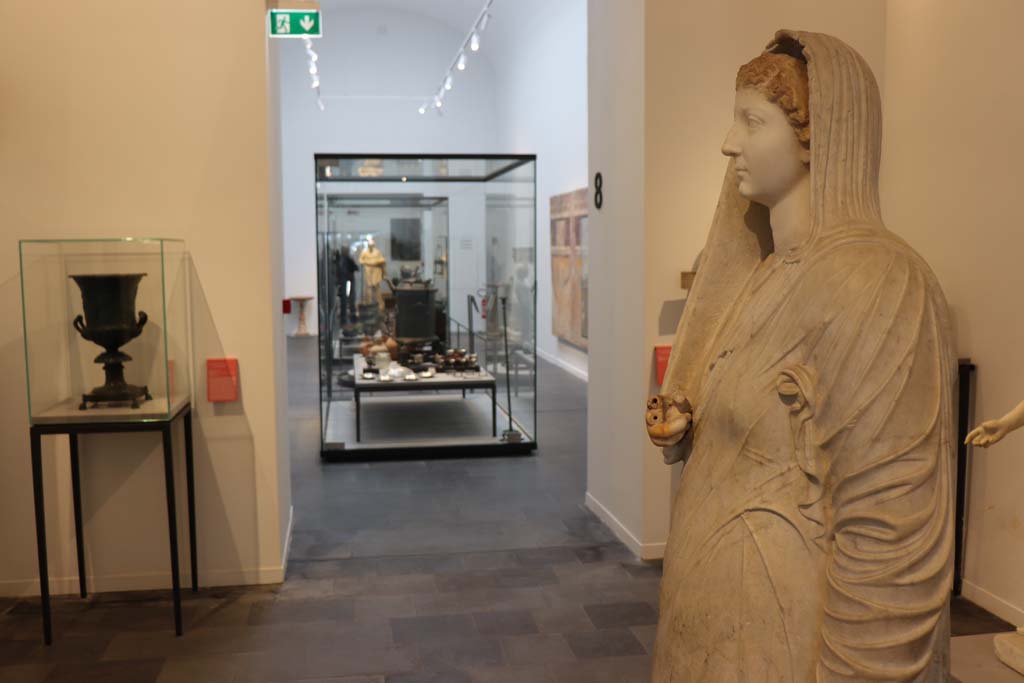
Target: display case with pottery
[{"x": 107, "y": 329}]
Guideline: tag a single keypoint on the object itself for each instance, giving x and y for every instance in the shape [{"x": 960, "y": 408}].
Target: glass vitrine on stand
[
  {"x": 426, "y": 265},
  {"x": 108, "y": 349}
]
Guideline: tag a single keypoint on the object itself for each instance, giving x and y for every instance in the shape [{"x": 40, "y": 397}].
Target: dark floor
[{"x": 441, "y": 571}]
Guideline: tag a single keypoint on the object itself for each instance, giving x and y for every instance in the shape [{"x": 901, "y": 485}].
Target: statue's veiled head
[{"x": 770, "y": 137}]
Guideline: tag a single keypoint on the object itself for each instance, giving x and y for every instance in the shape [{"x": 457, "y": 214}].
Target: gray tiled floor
[
  {"x": 447, "y": 571},
  {"x": 440, "y": 571}
]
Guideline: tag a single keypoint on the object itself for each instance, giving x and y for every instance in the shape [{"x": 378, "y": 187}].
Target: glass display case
[
  {"x": 107, "y": 329},
  {"x": 426, "y": 266}
]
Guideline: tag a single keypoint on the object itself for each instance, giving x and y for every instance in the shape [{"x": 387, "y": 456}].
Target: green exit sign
[{"x": 293, "y": 23}]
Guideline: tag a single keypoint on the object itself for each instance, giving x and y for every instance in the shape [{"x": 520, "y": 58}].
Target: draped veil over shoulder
[{"x": 811, "y": 536}]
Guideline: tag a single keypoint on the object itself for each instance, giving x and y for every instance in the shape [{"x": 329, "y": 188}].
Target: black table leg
[
  {"x": 76, "y": 496},
  {"x": 494, "y": 410},
  {"x": 191, "y": 480},
  {"x": 172, "y": 525},
  {"x": 44, "y": 574},
  {"x": 359, "y": 432}
]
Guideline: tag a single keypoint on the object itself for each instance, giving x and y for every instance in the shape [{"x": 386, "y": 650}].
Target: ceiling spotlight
[
  {"x": 320, "y": 104},
  {"x": 471, "y": 43},
  {"x": 308, "y": 43},
  {"x": 423, "y": 109},
  {"x": 313, "y": 56},
  {"x": 312, "y": 69},
  {"x": 315, "y": 83}
]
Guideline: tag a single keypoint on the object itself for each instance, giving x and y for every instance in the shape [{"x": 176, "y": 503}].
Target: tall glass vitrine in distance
[{"x": 427, "y": 305}]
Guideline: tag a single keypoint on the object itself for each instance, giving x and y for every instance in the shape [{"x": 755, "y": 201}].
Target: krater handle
[
  {"x": 79, "y": 324},
  {"x": 143, "y": 318}
]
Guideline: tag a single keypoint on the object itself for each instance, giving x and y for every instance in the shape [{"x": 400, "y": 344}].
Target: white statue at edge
[
  {"x": 1009, "y": 646},
  {"x": 810, "y": 392}
]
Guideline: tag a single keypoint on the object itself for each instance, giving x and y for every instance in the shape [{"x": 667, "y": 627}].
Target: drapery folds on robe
[{"x": 812, "y": 533}]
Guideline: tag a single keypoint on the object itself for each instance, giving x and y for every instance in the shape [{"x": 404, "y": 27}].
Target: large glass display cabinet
[
  {"x": 426, "y": 304},
  {"x": 107, "y": 329}
]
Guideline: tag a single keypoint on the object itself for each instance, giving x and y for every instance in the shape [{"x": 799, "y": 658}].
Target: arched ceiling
[
  {"x": 511, "y": 18},
  {"x": 458, "y": 14}
]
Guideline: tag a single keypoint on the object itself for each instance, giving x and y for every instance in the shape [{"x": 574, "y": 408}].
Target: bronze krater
[{"x": 109, "y": 322}]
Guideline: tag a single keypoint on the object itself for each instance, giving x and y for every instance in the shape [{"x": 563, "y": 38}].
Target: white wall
[
  {"x": 541, "y": 67},
  {"x": 523, "y": 93},
  {"x": 951, "y": 181},
  {"x": 368, "y": 51},
  {"x": 142, "y": 133},
  {"x": 616, "y": 486},
  {"x": 662, "y": 84}
]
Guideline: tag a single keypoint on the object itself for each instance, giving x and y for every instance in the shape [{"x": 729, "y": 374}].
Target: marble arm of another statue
[
  {"x": 668, "y": 420},
  {"x": 992, "y": 431}
]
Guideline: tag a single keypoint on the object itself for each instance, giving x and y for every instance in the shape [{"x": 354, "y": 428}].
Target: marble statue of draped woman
[{"x": 810, "y": 393}]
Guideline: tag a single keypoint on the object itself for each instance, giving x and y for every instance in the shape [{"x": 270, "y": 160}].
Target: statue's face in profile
[{"x": 770, "y": 160}]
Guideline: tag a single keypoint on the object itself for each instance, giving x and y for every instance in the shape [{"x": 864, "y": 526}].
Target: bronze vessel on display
[{"x": 109, "y": 321}]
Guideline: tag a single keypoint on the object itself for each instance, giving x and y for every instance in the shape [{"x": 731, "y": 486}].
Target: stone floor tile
[
  {"x": 536, "y": 649},
  {"x": 619, "y": 614},
  {"x": 401, "y": 584},
  {"x": 446, "y": 676},
  {"x": 26, "y": 673},
  {"x": 974, "y": 661},
  {"x": 300, "y": 610},
  {"x": 605, "y": 643},
  {"x": 480, "y": 600},
  {"x": 564, "y": 619},
  {"x": 591, "y": 572},
  {"x": 139, "y": 671},
  {"x": 341, "y": 679},
  {"x": 460, "y": 652},
  {"x": 322, "y": 662},
  {"x": 968, "y": 619},
  {"x": 511, "y": 674},
  {"x": 608, "y": 552},
  {"x": 635, "y": 669},
  {"x": 645, "y": 634},
  {"x": 505, "y": 623},
  {"x": 514, "y": 577},
  {"x": 643, "y": 570},
  {"x": 408, "y": 630},
  {"x": 547, "y": 556},
  {"x": 383, "y": 606},
  {"x": 205, "y": 668}
]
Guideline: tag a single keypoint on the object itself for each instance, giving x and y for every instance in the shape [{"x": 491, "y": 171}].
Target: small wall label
[{"x": 221, "y": 380}]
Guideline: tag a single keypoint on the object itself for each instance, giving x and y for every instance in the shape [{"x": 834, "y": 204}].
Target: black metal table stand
[
  {"x": 73, "y": 429},
  {"x": 965, "y": 403},
  {"x": 490, "y": 386}
]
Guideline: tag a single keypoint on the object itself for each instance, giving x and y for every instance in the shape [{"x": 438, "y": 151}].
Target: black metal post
[
  {"x": 190, "y": 476},
  {"x": 172, "y": 526},
  {"x": 966, "y": 376},
  {"x": 76, "y": 496},
  {"x": 359, "y": 431},
  {"x": 470, "y": 306},
  {"x": 44, "y": 574},
  {"x": 508, "y": 376}
]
